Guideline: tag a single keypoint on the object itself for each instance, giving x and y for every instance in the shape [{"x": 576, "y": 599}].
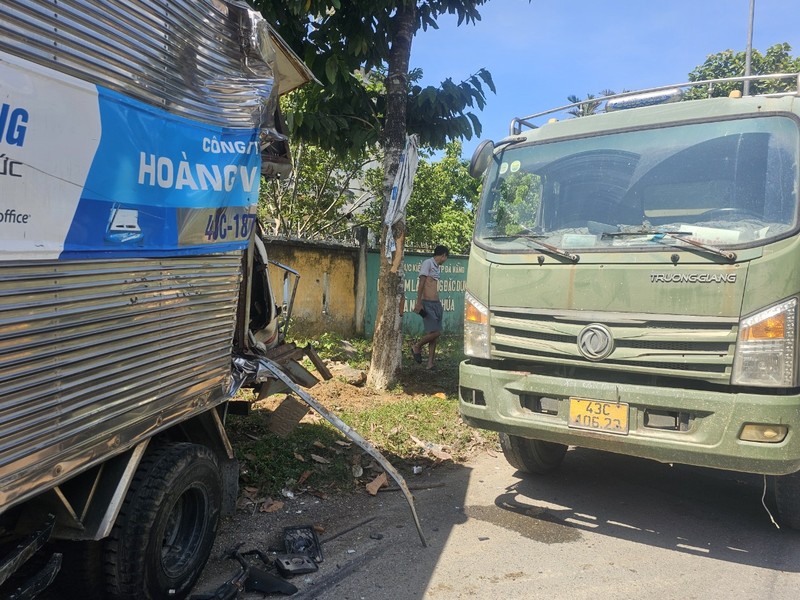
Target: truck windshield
[{"x": 725, "y": 183}]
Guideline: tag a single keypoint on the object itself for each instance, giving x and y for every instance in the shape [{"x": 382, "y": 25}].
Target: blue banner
[{"x": 163, "y": 184}]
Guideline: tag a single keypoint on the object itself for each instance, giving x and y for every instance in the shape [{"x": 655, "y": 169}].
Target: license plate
[{"x": 597, "y": 415}]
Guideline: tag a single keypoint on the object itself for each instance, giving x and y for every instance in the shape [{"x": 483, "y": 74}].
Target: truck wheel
[
  {"x": 787, "y": 498},
  {"x": 81, "y": 574},
  {"x": 532, "y": 456},
  {"x": 165, "y": 530}
]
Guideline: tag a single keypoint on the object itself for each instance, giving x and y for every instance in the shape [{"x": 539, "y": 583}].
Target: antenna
[{"x": 749, "y": 52}]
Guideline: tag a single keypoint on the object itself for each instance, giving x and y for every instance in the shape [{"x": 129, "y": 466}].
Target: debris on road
[
  {"x": 376, "y": 484},
  {"x": 437, "y": 450},
  {"x": 249, "y": 578},
  {"x": 303, "y": 540},
  {"x": 287, "y": 416}
]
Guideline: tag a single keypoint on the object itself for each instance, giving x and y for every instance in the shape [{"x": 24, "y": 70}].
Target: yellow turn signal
[
  {"x": 771, "y": 328},
  {"x": 473, "y": 315}
]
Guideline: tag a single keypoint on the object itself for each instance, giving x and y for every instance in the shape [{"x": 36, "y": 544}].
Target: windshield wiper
[
  {"x": 678, "y": 235},
  {"x": 535, "y": 240}
]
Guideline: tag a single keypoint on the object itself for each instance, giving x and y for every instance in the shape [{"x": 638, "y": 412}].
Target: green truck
[{"x": 633, "y": 283}]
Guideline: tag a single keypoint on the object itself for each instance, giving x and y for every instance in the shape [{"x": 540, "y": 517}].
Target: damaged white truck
[{"x": 133, "y": 136}]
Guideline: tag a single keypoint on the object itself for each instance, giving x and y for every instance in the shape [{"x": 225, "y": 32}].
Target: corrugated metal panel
[
  {"x": 95, "y": 355},
  {"x": 185, "y": 56}
]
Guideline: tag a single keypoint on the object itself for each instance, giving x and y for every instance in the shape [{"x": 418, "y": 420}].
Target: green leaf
[
  {"x": 428, "y": 96},
  {"x": 486, "y": 76},
  {"x": 331, "y": 68}
]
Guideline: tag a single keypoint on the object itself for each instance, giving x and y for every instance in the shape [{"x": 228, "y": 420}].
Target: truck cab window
[{"x": 728, "y": 182}]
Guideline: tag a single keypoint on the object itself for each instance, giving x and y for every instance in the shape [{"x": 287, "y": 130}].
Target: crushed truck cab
[{"x": 133, "y": 139}]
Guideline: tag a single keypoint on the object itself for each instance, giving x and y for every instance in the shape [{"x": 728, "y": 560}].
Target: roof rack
[{"x": 517, "y": 123}]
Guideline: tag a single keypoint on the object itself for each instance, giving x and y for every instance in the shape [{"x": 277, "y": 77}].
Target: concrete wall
[
  {"x": 337, "y": 291},
  {"x": 326, "y": 293}
]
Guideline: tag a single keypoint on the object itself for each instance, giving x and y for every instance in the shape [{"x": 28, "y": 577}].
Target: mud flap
[{"x": 258, "y": 370}]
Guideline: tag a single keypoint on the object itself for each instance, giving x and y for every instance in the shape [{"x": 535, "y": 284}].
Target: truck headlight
[
  {"x": 476, "y": 328},
  {"x": 765, "y": 348}
]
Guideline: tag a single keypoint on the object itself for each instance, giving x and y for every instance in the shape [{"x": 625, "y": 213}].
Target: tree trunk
[{"x": 387, "y": 343}]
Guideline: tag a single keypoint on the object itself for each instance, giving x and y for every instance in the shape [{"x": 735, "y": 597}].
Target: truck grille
[{"x": 700, "y": 347}]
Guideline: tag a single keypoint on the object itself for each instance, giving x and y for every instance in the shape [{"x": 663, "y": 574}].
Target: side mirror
[{"x": 481, "y": 158}]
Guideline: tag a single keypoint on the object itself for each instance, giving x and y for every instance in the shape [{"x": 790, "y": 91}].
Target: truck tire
[
  {"x": 166, "y": 527},
  {"x": 81, "y": 574},
  {"x": 787, "y": 499},
  {"x": 532, "y": 456}
]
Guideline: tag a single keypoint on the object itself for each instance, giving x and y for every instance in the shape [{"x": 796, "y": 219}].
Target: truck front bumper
[{"x": 706, "y": 431}]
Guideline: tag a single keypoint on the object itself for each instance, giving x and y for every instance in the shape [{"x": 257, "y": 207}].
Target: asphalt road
[{"x": 604, "y": 526}]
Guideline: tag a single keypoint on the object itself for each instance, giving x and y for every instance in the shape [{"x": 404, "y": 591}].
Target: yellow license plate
[{"x": 597, "y": 415}]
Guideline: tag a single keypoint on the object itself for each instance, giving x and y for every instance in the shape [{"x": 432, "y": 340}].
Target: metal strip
[{"x": 118, "y": 497}]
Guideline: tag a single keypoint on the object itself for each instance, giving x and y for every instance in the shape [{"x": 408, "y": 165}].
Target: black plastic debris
[
  {"x": 294, "y": 564},
  {"x": 302, "y": 540},
  {"x": 249, "y": 578},
  {"x": 267, "y": 583}
]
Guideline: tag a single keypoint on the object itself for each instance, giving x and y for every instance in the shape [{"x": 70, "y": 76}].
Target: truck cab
[{"x": 632, "y": 284}]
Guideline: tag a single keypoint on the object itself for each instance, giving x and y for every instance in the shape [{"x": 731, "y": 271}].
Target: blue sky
[{"x": 541, "y": 52}]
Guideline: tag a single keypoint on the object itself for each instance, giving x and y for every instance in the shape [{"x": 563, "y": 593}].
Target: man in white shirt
[{"x": 428, "y": 305}]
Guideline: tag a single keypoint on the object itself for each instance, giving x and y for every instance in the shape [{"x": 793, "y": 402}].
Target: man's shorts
[{"x": 433, "y": 317}]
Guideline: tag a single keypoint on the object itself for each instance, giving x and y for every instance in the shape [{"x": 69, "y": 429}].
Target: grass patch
[
  {"x": 393, "y": 427},
  {"x": 273, "y": 464},
  {"x": 415, "y": 423},
  {"x": 333, "y": 347}
]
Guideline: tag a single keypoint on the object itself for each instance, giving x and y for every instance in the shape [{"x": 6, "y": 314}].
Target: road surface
[{"x": 604, "y": 526}]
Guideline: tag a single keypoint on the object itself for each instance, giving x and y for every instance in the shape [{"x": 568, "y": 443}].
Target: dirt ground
[
  {"x": 334, "y": 515},
  {"x": 347, "y": 389}
]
